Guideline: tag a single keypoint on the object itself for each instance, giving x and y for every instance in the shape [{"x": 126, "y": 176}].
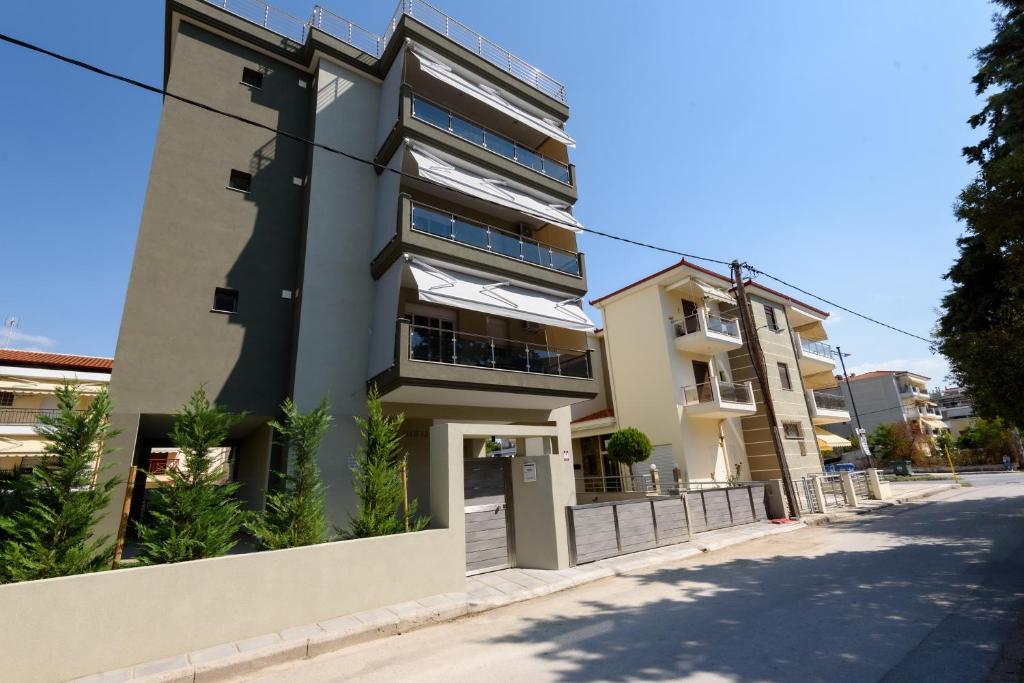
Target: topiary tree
[
  {"x": 377, "y": 477},
  {"x": 49, "y": 532},
  {"x": 195, "y": 515},
  {"x": 294, "y": 515},
  {"x": 629, "y": 446}
]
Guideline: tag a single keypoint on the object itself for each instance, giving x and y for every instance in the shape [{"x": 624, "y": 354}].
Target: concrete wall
[
  {"x": 105, "y": 621},
  {"x": 337, "y": 300},
  {"x": 790, "y": 404}
]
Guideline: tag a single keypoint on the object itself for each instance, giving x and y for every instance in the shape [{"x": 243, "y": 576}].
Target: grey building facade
[
  {"x": 891, "y": 397},
  {"x": 440, "y": 264}
]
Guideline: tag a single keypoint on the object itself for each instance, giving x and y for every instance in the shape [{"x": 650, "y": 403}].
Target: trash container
[{"x": 903, "y": 468}]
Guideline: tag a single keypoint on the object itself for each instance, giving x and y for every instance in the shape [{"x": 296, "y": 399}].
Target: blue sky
[{"x": 819, "y": 141}]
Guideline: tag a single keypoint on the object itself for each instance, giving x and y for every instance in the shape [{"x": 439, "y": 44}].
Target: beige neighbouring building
[
  {"x": 674, "y": 364},
  {"x": 28, "y": 384}
]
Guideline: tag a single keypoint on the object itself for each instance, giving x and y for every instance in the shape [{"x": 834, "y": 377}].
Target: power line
[{"x": 327, "y": 148}]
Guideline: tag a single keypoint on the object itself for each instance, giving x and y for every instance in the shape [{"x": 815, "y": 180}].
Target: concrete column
[
  {"x": 851, "y": 495},
  {"x": 656, "y": 480},
  {"x": 776, "y": 499},
  {"x": 677, "y": 477},
  {"x": 819, "y": 494},
  {"x": 874, "y": 483}
]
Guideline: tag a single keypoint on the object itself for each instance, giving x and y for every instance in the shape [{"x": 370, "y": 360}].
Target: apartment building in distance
[
  {"x": 679, "y": 370},
  {"x": 446, "y": 272},
  {"x": 956, "y": 408},
  {"x": 892, "y": 396},
  {"x": 28, "y": 384}
]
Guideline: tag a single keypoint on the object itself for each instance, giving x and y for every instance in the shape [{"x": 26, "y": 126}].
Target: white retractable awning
[
  {"x": 715, "y": 293},
  {"x": 476, "y": 293},
  {"x": 488, "y": 94},
  {"x": 431, "y": 166}
]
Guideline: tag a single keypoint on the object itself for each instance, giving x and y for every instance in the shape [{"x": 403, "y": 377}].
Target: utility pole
[
  {"x": 853, "y": 404},
  {"x": 753, "y": 344}
]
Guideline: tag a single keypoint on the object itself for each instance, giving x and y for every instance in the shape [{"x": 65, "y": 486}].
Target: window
[
  {"x": 252, "y": 78},
  {"x": 773, "y": 322},
  {"x": 787, "y": 382},
  {"x": 792, "y": 430},
  {"x": 225, "y": 300},
  {"x": 6, "y": 399},
  {"x": 239, "y": 180}
]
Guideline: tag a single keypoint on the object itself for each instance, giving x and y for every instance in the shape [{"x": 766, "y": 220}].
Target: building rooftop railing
[
  {"x": 458, "y": 32},
  {"x": 291, "y": 27}
]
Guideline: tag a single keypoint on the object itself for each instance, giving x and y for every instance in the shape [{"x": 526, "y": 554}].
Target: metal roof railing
[
  {"x": 458, "y": 32},
  {"x": 267, "y": 16}
]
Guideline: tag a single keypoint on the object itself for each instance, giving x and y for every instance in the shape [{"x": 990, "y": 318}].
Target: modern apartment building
[
  {"x": 892, "y": 396},
  {"x": 28, "y": 384},
  {"x": 446, "y": 272},
  {"x": 956, "y": 408},
  {"x": 679, "y": 370}
]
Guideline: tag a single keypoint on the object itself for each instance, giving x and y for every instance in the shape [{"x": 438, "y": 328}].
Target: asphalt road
[{"x": 922, "y": 592}]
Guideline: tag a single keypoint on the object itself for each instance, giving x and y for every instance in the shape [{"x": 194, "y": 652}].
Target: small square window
[
  {"x": 787, "y": 382},
  {"x": 6, "y": 399},
  {"x": 773, "y": 321},
  {"x": 792, "y": 430},
  {"x": 240, "y": 180},
  {"x": 225, "y": 300},
  {"x": 252, "y": 78}
]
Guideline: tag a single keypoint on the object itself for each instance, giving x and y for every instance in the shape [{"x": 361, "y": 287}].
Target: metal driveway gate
[{"x": 489, "y": 533}]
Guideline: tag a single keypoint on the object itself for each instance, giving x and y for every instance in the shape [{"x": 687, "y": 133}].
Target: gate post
[
  {"x": 848, "y": 490},
  {"x": 655, "y": 479},
  {"x": 874, "y": 484},
  {"x": 819, "y": 494},
  {"x": 677, "y": 476},
  {"x": 777, "y": 500}
]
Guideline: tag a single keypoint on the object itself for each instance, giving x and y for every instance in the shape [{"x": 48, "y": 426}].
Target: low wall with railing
[
  {"x": 606, "y": 529},
  {"x": 63, "y": 628}
]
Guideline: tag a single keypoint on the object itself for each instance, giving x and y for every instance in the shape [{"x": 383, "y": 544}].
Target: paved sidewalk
[{"x": 483, "y": 592}]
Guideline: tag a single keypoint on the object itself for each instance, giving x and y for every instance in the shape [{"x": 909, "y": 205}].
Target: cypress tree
[
  {"x": 195, "y": 515},
  {"x": 294, "y": 515},
  {"x": 981, "y": 330},
  {"x": 50, "y": 532},
  {"x": 377, "y": 476}
]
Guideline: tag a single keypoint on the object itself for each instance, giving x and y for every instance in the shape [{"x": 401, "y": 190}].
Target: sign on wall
[{"x": 529, "y": 471}]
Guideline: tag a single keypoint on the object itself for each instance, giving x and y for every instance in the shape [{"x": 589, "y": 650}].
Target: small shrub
[{"x": 629, "y": 446}]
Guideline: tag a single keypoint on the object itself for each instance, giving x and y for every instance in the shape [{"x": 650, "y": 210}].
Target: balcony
[
  {"x": 438, "y": 233},
  {"x": 717, "y": 399},
  {"x": 915, "y": 392},
  {"x": 827, "y": 408},
  {"x": 814, "y": 356},
  {"x": 484, "y": 138},
  {"x": 451, "y": 367},
  {"x": 431, "y": 221},
  {"x": 25, "y": 416},
  {"x": 706, "y": 333}
]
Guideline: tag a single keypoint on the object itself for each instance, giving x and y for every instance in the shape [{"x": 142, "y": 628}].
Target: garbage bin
[{"x": 903, "y": 468}]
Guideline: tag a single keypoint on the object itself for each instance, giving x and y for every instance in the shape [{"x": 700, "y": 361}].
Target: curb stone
[{"x": 231, "y": 660}]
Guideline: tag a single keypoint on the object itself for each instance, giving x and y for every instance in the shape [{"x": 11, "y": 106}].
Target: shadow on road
[{"x": 926, "y": 593}]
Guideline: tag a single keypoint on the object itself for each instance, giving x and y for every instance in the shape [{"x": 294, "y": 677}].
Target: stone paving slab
[{"x": 483, "y": 592}]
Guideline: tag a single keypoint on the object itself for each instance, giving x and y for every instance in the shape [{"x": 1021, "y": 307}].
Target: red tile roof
[
  {"x": 55, "y": 361},
  {"x": 723, "y": 278},
  {"x": 682, "y": 262},
  {"x": 607, "y": 412}
]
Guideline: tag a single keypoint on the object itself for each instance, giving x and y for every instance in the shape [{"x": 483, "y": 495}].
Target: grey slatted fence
[{"x": 601, "y": 530}]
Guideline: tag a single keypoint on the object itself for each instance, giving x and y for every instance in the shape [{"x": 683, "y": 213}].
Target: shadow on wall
[{"x": 851, "y": 615}]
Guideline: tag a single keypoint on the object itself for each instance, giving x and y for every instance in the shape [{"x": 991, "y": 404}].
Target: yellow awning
[{"x": 830, "y": 441}]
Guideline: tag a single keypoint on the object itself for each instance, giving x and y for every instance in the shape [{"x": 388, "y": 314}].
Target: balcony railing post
[
  {"x": 494, "y": 363},
  {"x": 558, "y": 360},
  {"x": 455, "y": 355},
  {"x": 451, "y": 225},
  {"x": 527, "y": 357}
]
